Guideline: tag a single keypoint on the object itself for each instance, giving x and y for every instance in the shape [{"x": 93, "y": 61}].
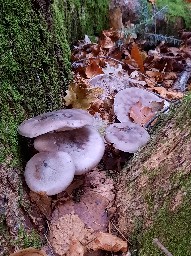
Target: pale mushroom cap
[
  {"x": 85, "y": 145},
  {"x": 127, "y": 137},
  {"x": 126, "y": 98},
  {"x": 49, "y": 172},
  {"x": 109, "y": 83},
  {"x": 64, "y": 119}
]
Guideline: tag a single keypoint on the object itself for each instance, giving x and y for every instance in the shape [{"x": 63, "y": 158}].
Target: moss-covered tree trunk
[
  {"x": 154, "y": 190},
  {"x": 35, "y": 38}
]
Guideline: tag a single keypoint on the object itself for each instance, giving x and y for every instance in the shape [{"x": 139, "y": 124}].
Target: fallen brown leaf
[
  {"x": 80, "y": 95},
  {"x": 107, "y": 242},
  {"x": 137, "y": 56},
  {"x": 43, "y": 202},
  {"x": 75, "y": 249},
  {"x": 158, "y": 76},
  {"x": 140, "y": 114},
  {"x": 168, "y": 94},
  {"x": 170, "y": 76},
  {"x": 29, "y": 252},
  {"x": 93, "y": 69},
  {"x": 168, "y": 83},
  {"x": 107, "y": 43}
]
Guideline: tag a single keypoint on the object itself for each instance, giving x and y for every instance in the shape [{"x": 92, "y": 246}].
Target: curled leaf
[
  {"x": 107, "y": 242},
  {"x": 93, "y": 69},
  {"x": 140, "y": 114},
  {"x": 168, "y": 94},
  {"x": 80, "y": 95}
]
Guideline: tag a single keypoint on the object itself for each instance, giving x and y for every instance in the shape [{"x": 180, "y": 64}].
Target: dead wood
[
  {"x": 161, "y": 247},
  {"x": 181, "y": 82}
]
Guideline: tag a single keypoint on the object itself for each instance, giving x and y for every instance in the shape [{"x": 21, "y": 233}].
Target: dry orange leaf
[
  {"x": 43, "y": 202},
  {"x": 137, "y": 56},
  {"x": 167, "y": 94},
  {"x": 76, "y": 249},
  {"x": 140, "y": 114},
  {"x": 106, "y": 43},
  {"x": 80, "y": 95},
  {"x": 155, "y": 74},
  {"x": 93, "y": 69},
  {"x": 108, "y": 242}
]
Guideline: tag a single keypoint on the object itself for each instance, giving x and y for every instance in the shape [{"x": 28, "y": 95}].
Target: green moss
[
  {"x": 30, "y": 76},
  {"x": 176, "y": 8},
  {"x": 35, "y": 59},
  {"x": 26, "y": 239},
  {"x": 79, "y": 17},
  {"x": 173, "y": 229}
]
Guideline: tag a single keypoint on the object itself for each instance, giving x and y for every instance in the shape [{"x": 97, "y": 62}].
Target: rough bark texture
[
  {"x": 153, "y": 198},
  {"x": 35, "y": 67}
]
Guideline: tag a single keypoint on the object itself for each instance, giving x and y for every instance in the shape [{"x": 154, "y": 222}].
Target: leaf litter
[{"x": 79, "y": 224}]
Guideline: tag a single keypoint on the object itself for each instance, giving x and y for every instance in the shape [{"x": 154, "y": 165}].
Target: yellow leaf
[{"x": 80, "y": 95}]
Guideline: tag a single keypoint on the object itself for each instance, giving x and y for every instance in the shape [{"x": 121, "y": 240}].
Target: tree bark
[{"x": 153, "y": 191}]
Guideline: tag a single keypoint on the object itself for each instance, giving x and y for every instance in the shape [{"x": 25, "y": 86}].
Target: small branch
[
  {"x": 161, "y": 247},
  {"x": 98, "y": 57},
  {"x": 146, "y": 126},
  {"x": 181, "y": 82}
]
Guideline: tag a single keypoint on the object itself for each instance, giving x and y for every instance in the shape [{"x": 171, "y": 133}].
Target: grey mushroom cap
[
  {"x": 127, "y": 137},
  {"x": 64, "y": 119},
  {"x": 49, "y": 172},
  {"x": 126, "y": 98},
  {"x": 84, "y": 145},
  {"x": 109, "y": 83}
]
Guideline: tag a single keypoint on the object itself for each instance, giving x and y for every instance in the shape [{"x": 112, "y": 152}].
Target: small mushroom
[
  {"x": 85, "y": 145},
  {"x": 49, "y": 172},
  {"x": 126, "y": 98},
  {"x": 64, "y": 119},
  {"x": 127, "y": 137}
]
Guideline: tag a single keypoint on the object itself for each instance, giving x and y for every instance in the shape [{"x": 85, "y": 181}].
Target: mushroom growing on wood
[
  {"x": 127, "y": 137},
  {"x": 64, "y": 119},
  {"x": 84, "y": 145},
  {"x": 49, "y": 172},
  {"x": 125, "y": 99}
]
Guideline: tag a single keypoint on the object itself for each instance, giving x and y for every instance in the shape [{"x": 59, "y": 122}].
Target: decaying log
[{"x": 181, "y": 82}]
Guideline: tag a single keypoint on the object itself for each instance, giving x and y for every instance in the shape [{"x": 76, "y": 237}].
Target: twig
[
  {"x": 180, "y": 84},
  {"x": 155, "y": 117},
  {"x": 161, "y": 247},
  {"x": 120, "y": 232},
  {"x": 98, "y": 57},
  {"x": 49, "y": 245}
]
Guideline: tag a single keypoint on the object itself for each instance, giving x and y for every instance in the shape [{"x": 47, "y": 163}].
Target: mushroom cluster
[
  {"x": 127, "y": 135},
  {"x": 68, "y": 145}
]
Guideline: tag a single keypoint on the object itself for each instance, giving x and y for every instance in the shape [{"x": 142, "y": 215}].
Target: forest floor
[{"x": 147, "y": 198}]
